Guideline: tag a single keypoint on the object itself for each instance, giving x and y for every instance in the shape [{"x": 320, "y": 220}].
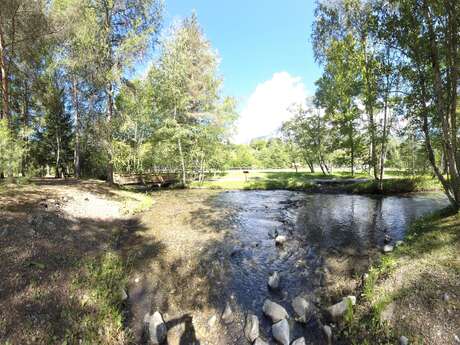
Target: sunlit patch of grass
[{"x": 396, "y": 185}]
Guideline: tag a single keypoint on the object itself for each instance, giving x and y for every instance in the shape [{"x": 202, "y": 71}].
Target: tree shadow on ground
[{"x": 43, "y": 252}]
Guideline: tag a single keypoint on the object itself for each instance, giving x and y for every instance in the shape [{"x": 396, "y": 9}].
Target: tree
[
  {"x": 424, "y": 36},
  {"x": 187, "y": 87},
  {"x": 338, "y": 93}
]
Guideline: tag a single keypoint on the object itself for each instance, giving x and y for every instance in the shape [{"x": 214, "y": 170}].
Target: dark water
[{"x": 316, "y": 225}]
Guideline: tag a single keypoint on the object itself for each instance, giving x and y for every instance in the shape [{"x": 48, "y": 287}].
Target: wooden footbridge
[{"x": 160, "y": 180}]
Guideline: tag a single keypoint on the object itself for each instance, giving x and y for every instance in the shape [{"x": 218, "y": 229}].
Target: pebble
[
  {"x": 328, "y": 333},
  {"x": 212, "y": 320},
  {"x": 302, "y": 309},
  {"x": 259, "y": 341},
  {"x": 123, "y": 294},
  {"x": 157, "y": 328},
  {"x": 299, "y": 341},
  {"x": 274, "y": 281},
  {"x": 456, "y": 338},
  {"x": 403, "y": 340},
  {"x": 227, "y": 315},
  {"x": 387, "y": 248},
  {"x": 280, "y": 239},
  {"x": 337, "y": 310}
]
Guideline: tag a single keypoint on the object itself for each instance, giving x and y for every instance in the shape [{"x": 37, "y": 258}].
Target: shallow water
[{"x": 316, "y": 225}]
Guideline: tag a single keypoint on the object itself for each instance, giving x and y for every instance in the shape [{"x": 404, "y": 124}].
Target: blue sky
[{"x": 265, "y": 47}]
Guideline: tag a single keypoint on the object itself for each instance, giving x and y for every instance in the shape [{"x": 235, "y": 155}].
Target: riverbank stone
[
  {"x": 302, "y": 309},
  {"x": 337, "y": 310},
  {"x": 274, "y": 311},
  {"x": 274, "y": 281},
  {"x": 403, "y": 340},
  {"x": 251, "y": 328},
  {"x": 280, "y": 331},
  {"x": 299, "y": 341},
  {"x": 259, "y": 341},
  {"x": 156, "y": 328},
  {"x": 280, "y": 240},
  {"x": 387, "y": 248},
  {"x": 227, "y": 315},
  {"x": 328, "y": 334}
]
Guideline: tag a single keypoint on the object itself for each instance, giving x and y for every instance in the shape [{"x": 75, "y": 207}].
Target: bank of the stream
[
  {"x": 71, "y": 250},
  {"x": 394, "y": 183},
  {"x": 412, "y": 293}
]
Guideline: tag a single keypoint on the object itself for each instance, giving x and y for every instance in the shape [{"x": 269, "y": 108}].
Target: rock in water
[
  {"x": 302, "y": 309},
  {"x": 157, "y": 328},
  {"x": 251, "y": 329},
  {"x": 299, "y": 341},
  {"x": 274, "y": 281},
  {"x": 259, "y": 341},
  {"x": 399, "y": 243},
  {"x": 227, "y": 315},
  {"x": 280, "y": 331},
  {"x": 328, "y": 333},
  {"x": 403, "y": 340},
  {"x": 387, "y": 248},
  {"x": 274, "y": 311},
  {"x": 280, "y": 240},
  {"x": 337, "y": 310}
]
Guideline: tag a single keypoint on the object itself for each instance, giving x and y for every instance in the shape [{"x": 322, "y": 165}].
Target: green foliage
[{"x": 11, "y": 150}]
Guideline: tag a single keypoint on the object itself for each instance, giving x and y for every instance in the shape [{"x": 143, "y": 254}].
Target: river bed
[{"x": 325, "y": 232}]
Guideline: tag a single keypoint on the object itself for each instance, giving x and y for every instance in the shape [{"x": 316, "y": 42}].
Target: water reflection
[{"x": 316, "y": 224}]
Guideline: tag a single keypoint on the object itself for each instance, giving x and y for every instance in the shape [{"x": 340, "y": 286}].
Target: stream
[{"x": 315, "y": 225}]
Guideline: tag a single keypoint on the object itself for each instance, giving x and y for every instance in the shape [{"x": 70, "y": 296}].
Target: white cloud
[{"x": 267, "y": 107}]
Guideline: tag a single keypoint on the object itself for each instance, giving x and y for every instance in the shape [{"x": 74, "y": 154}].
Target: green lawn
[{"x": 302, "y": 180}]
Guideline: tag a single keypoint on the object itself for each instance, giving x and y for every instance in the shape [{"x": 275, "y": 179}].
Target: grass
[
  {"x": 411, "y": 279},
  {"x": 396, "y": 185},
  {"x": 269, "y": 180},
  {"x": 399, "y": 182},
  {"x": 98, "y": 287}
]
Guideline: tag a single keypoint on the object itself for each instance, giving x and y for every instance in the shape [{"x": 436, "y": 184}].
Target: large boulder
[
  {"x": 338, "y": 310},
  {"x": 274, "y": 311},
  {"x": 251, "y": 329},
  {"x": 302, "y": 308},
  {"x": 274, "y": 281},
  {"x": 280, "y": 331},
  {"x": 156, "y": 328}
]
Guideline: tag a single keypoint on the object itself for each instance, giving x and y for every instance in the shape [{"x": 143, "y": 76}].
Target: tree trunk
[
  {"x": 77, "y": 165},
  {"x": 384, "y": 133},
  {"x": 182, "y": 162},
  {"x": 5, "y": 82},
  {"x": 109, "y": 134},
  {"x": 58, "y": 156},
  {"x": 352, "y": 148}
]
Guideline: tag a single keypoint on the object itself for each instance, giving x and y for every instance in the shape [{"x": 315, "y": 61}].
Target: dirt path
[
  {"x": 47, "y": 230},
  {"x": 179, "y": 269}
]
